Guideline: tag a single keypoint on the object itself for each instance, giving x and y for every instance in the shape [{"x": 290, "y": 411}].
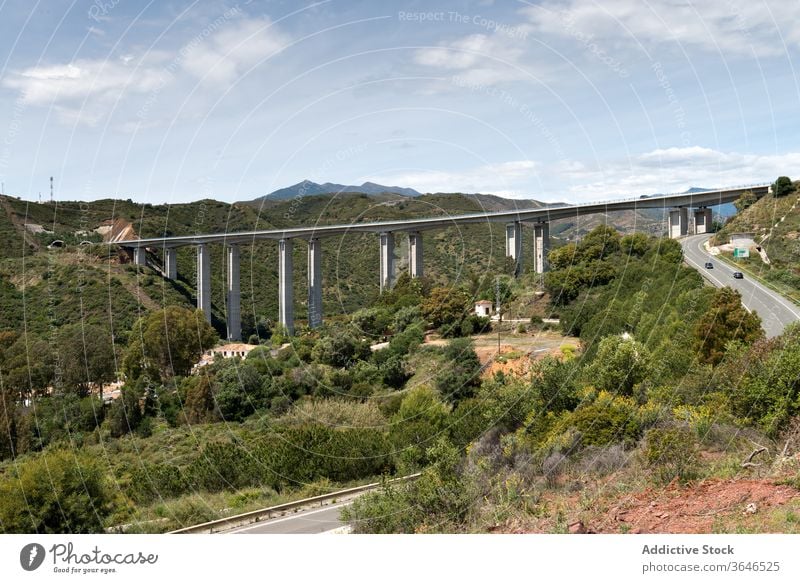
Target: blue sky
[{"x": 556, "y": 100}]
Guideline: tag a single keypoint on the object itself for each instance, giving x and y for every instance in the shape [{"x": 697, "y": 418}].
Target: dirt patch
[
  {"x": 116, "y": 230},
  {"x": 691, "y": 509}
]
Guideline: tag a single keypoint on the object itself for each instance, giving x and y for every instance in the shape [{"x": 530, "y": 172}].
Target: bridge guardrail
[{"x": 230, "y": 522}]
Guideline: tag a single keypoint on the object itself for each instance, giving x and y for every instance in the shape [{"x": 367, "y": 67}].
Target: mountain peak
[{"x": 308, "y": 187}]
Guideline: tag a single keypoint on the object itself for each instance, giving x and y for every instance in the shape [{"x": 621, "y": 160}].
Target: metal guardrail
[{"x": 230, "y": 522}]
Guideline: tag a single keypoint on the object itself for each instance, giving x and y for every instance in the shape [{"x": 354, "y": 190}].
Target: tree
[
  {"x": 562, "y": 257},
  {"x": 445, "y": 306},
  {"x": 745, "y": 201},
  {"x": 167, "y": 343},
  {"x": 199, "y": 407},
  {"x": 725, "y": 321},
  {"x": 599, "y": 243},
  {"x": 8, "y": 422},
  {"x": 783, "y": 186},
  {"x": 460, "y": 373},
  {"x": 340, "y": 349},
  {"x": 54, "y": 493},
  {"x": 555, "y": 384},
  {"x": 86, "y": 356},
  {"x": 238, "y": 391},
  {"x": 620, "y": 364},
  {"x": 670, "y": 250},
  {"x": 421, "y": 418},
  {"x": 635, "y": 244},
  {"x": 126, "y": 412}
]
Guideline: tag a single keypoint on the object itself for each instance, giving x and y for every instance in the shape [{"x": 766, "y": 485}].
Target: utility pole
[
  {"x": 499, "y": 313},
  {"x": 51, "y": 190}
]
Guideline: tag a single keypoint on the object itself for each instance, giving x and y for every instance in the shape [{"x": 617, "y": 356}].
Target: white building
[
  {"x": 483, "y": 308},
  {"x": 225, "y": 351}
]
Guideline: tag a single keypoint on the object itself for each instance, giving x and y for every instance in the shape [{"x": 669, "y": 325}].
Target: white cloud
[
  {"x": 226, "y": 53},
  {"x": 478, "y": 59},
  {"x": 742, "y": 27},
  {"x": 671, "y": 170},
  {"x": 503, "y": 178},
  {"x": 658, "y": 171},
  {"x": 78, "y": 80},
  {"x": 83, "y": 90}
]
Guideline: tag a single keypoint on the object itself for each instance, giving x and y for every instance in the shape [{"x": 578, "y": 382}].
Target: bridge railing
[{"x": 668, "y": 195}]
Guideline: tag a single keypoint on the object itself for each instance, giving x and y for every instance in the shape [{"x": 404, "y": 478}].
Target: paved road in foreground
[
  {"x": 776, "y": 312},
  {"x": 311, "y": 521}
]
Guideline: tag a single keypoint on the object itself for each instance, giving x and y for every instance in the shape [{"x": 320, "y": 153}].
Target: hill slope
[
  {"x": 111, "y": 288},
  {"x": 775, "y": 225}
]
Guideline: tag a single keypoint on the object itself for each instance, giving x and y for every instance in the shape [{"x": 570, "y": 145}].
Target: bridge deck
[{"x": 547, "y": 213}]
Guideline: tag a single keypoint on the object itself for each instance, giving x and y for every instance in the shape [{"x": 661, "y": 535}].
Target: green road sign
[{"x": 741, "y": 252}]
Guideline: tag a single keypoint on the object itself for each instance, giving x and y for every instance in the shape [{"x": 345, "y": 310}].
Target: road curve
[
  {"x": 776, "y": 312},
  {"x": 311, "y": 521}
]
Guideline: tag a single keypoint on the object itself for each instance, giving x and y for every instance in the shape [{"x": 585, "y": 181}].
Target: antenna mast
[{"x": 51, "y": 189}]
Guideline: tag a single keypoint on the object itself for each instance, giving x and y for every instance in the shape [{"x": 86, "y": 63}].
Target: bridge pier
[
  {"x": 139, "y": 256},
  {"x": 415, "y": 254},
  {"x": 285, "y": 289},
  {"x": 514, "y": 244},
  {"x": 233, "y": 309},
  {"x": 387, "y": 261},
  {"x": 541, "y": 246},
  {"x": 702, "y": 221},
  {"x": 204, "y": 280},
  {"x": 171, "y": 262},
  {"x": 314, "y": 283},
  {"x": 678, "y": 222}
]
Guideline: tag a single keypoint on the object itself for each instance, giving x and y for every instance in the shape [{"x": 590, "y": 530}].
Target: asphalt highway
[
  {"x": 776, "y": 312},
  {"x": 311, "y": 521}
]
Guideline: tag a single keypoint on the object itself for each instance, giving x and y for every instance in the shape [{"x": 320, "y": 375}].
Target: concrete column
[
  {"x": 702, "y": 221},
  {"x": 233, "y": 309},
  {"x": 204, "y": 280},
  {"x": 140, "y": 256},
  {"x": 387, "y": 261},
  {"x": 415, "y": 254},
  {"x": 285, "y": 289},
  {"x": 314, "y": 283},
  {"x": 171, "y": 262},
  {"x": 541, "y": 246},
  {"x": 678, "y": 222},
  {"x": 514, "y": 244}
]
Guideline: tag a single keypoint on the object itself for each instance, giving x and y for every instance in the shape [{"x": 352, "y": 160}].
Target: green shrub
[
  {"x": 150, "y": 482},
  {"x": 671, "y": 453},
  {"x": 608, "y": 419},
  {"x": 55, "y": 492}
]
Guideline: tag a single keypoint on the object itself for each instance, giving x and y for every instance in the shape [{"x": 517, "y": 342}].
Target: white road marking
[{"x": 284, "y": 519}]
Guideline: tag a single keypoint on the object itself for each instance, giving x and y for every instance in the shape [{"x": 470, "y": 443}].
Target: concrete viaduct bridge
[{"x": 678, "y": 205}]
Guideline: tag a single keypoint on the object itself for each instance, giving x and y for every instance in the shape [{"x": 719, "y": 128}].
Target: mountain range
[{"x": 310, "y": 188}]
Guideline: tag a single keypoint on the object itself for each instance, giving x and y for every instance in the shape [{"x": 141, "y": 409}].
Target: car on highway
[
  {"x": 709, "y": 265},
  {"x": 738, "y": 275}
]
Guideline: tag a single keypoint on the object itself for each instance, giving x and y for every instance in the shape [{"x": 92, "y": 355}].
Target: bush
[
  {"x": 439, "y": 500},
  {"x": 671, "y": 453},
  {"x": 150, "y": 482},
  {"x": 460, "y": 373},
  {"x": 421, "y": 418},
  {"x": 56, "y": 492},
  {"x": 126, "y": 412},
  {"x": 619, "y": 365},
  {"x": 238, "y": 390},
  {"x": 340, "y": 349},
  {"x": 609, "y": 419}
]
